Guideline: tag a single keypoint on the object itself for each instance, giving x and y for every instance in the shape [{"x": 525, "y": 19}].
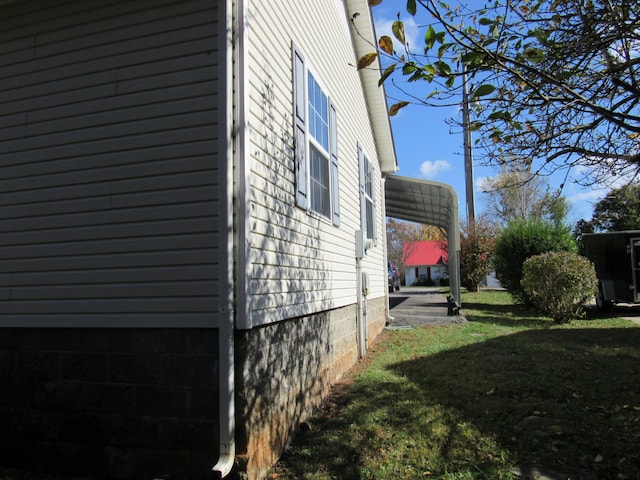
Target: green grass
[{"x": 508, "y": 389}]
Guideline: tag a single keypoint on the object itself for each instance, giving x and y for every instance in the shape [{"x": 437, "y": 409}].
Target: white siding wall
[
  {"x": 300, "y": 263},
  {"x": 113, "y": 163}
]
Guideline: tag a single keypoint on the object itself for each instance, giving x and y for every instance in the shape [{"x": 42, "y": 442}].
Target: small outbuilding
[{"x": 426, "y": 262}]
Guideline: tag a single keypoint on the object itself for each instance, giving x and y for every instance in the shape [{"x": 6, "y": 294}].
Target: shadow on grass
[
  {"x": 505, "y": 315},
  {"x": 564, "y": 399},
  {"x": 584, "y": 384}
]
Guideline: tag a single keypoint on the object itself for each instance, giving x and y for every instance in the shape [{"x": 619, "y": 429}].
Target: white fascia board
[{"x": 364, "y": 41}]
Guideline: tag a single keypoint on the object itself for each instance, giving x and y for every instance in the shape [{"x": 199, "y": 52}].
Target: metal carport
[{"x": 431, "y": 203}]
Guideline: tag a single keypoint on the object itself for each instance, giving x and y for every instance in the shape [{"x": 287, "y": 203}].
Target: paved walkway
[{"x": 420, "y": 306}]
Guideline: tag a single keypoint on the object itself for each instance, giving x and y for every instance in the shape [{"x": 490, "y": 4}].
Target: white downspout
[
  {"x": 235, "y": 38},
  {"x": 360, "y": 320}
]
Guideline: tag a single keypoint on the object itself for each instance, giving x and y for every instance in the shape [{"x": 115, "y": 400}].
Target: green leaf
[
  {"x": 430, "y": 37},
  {"x": 444, "y": 70},
  {"x": 541, "y": 35},
  {"x": 408, "y": 68},
  {"x": 502, "y": 115},
  {"x": 431, "y": 69},
  {"x": 411, "y": 7},
  {"x": 367, "y": 60},
  {"x": 398, "y": 31},
  {"x": 443, "y": 49},
  {"x": 450, "y": 81},
  {"x": 483, "y": 90},
  {"x": 396, "y": 107},
  {"x": 389, "y": 70},
  {"x": 485, "y": 21},
  {"x": 373, "y": 3},
  {"x": 473, "y": 58},
  {"x": 534, "y": 55},
  {"x": 417, "y": 75}
]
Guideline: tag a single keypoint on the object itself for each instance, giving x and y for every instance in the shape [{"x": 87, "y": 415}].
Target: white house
[
  {"x": 191, "y": 220},
  {"x": 425, "y": 262}
]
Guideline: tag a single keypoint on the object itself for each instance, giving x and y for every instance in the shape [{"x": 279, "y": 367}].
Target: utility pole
[{"x": 468, "y": 158}]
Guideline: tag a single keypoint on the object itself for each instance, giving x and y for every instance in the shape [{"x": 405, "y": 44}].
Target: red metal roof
[{"x": 424, "y": 253}]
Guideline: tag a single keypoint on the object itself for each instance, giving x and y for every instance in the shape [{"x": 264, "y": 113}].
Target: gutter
[{"x": 236, "y": 45}]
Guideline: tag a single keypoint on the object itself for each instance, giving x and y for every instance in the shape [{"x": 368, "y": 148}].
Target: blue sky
[{"x": 430, "y": 149}]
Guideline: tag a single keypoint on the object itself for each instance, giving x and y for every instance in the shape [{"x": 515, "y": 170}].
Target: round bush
[
  {"x": 522, "y": 239},
  {"x": 559, "y": 283}
]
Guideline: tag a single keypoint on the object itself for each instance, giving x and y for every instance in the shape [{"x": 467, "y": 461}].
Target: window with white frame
[
  {"x": 316, "y": 144},
  {"x": 319, "y": 188},
  {"x": 367, "y": 196}
]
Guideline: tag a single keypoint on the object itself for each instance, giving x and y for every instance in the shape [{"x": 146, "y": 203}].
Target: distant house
[{"x": 425, "y": 262}]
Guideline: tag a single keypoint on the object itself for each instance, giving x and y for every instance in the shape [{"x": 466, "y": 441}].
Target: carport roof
[
  {"x": 421, "y": 201},
  {"x": 431, "y": 203}
]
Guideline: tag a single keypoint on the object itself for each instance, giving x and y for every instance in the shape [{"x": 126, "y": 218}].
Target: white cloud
[
  {"x": 585, "y": 197},
  {"x": 592, "y": 196},
  {"x": 431, "y": 169}
]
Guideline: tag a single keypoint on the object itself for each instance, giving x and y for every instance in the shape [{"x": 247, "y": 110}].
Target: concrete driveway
[{"x": 420, "y": 306}]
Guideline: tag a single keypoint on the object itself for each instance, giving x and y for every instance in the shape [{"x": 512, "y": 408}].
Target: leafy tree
[
  {"x": 582, "y": 226},
  {"x": 555, "y": 81},
  {"x": 556, "y": 209},
  {"x": 477, "y": 243},
  {"x": 522, "y": 239},
  {"x": 619, "y": 210},
  {"x": 559, "y": 284},
  {"x": 514, "y": 194},
  {"x": 399, "y": 231}
]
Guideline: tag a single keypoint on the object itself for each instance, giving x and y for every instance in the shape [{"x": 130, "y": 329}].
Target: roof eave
[{"x": 364, "y": 37}]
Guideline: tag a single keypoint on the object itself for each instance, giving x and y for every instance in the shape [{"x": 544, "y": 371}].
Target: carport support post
[{"x": 385, "y": 250}]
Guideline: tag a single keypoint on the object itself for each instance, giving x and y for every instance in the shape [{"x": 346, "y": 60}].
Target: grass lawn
[{"x": 507, "y": 395}]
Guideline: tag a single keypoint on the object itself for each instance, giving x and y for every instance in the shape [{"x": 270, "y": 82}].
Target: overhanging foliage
[{"x": 551, "y": 82}]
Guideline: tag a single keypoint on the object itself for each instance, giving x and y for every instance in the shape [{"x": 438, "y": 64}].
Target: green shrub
[
  {"x": 522, "y": 239},
  {"x": 559, "y": 283}
]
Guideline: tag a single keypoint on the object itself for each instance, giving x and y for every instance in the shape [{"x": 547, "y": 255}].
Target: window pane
[
  {"x": 318, "y": 113},
  {"x": 369, "y": 213},
  {"x": 368, "y": 198},
  {"x": 319, "y": 172}
]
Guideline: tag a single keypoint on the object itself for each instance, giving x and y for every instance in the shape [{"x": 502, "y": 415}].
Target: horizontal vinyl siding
[
  {"x": 113, "y": 163},
  {"x": 300, "y": 263}
]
